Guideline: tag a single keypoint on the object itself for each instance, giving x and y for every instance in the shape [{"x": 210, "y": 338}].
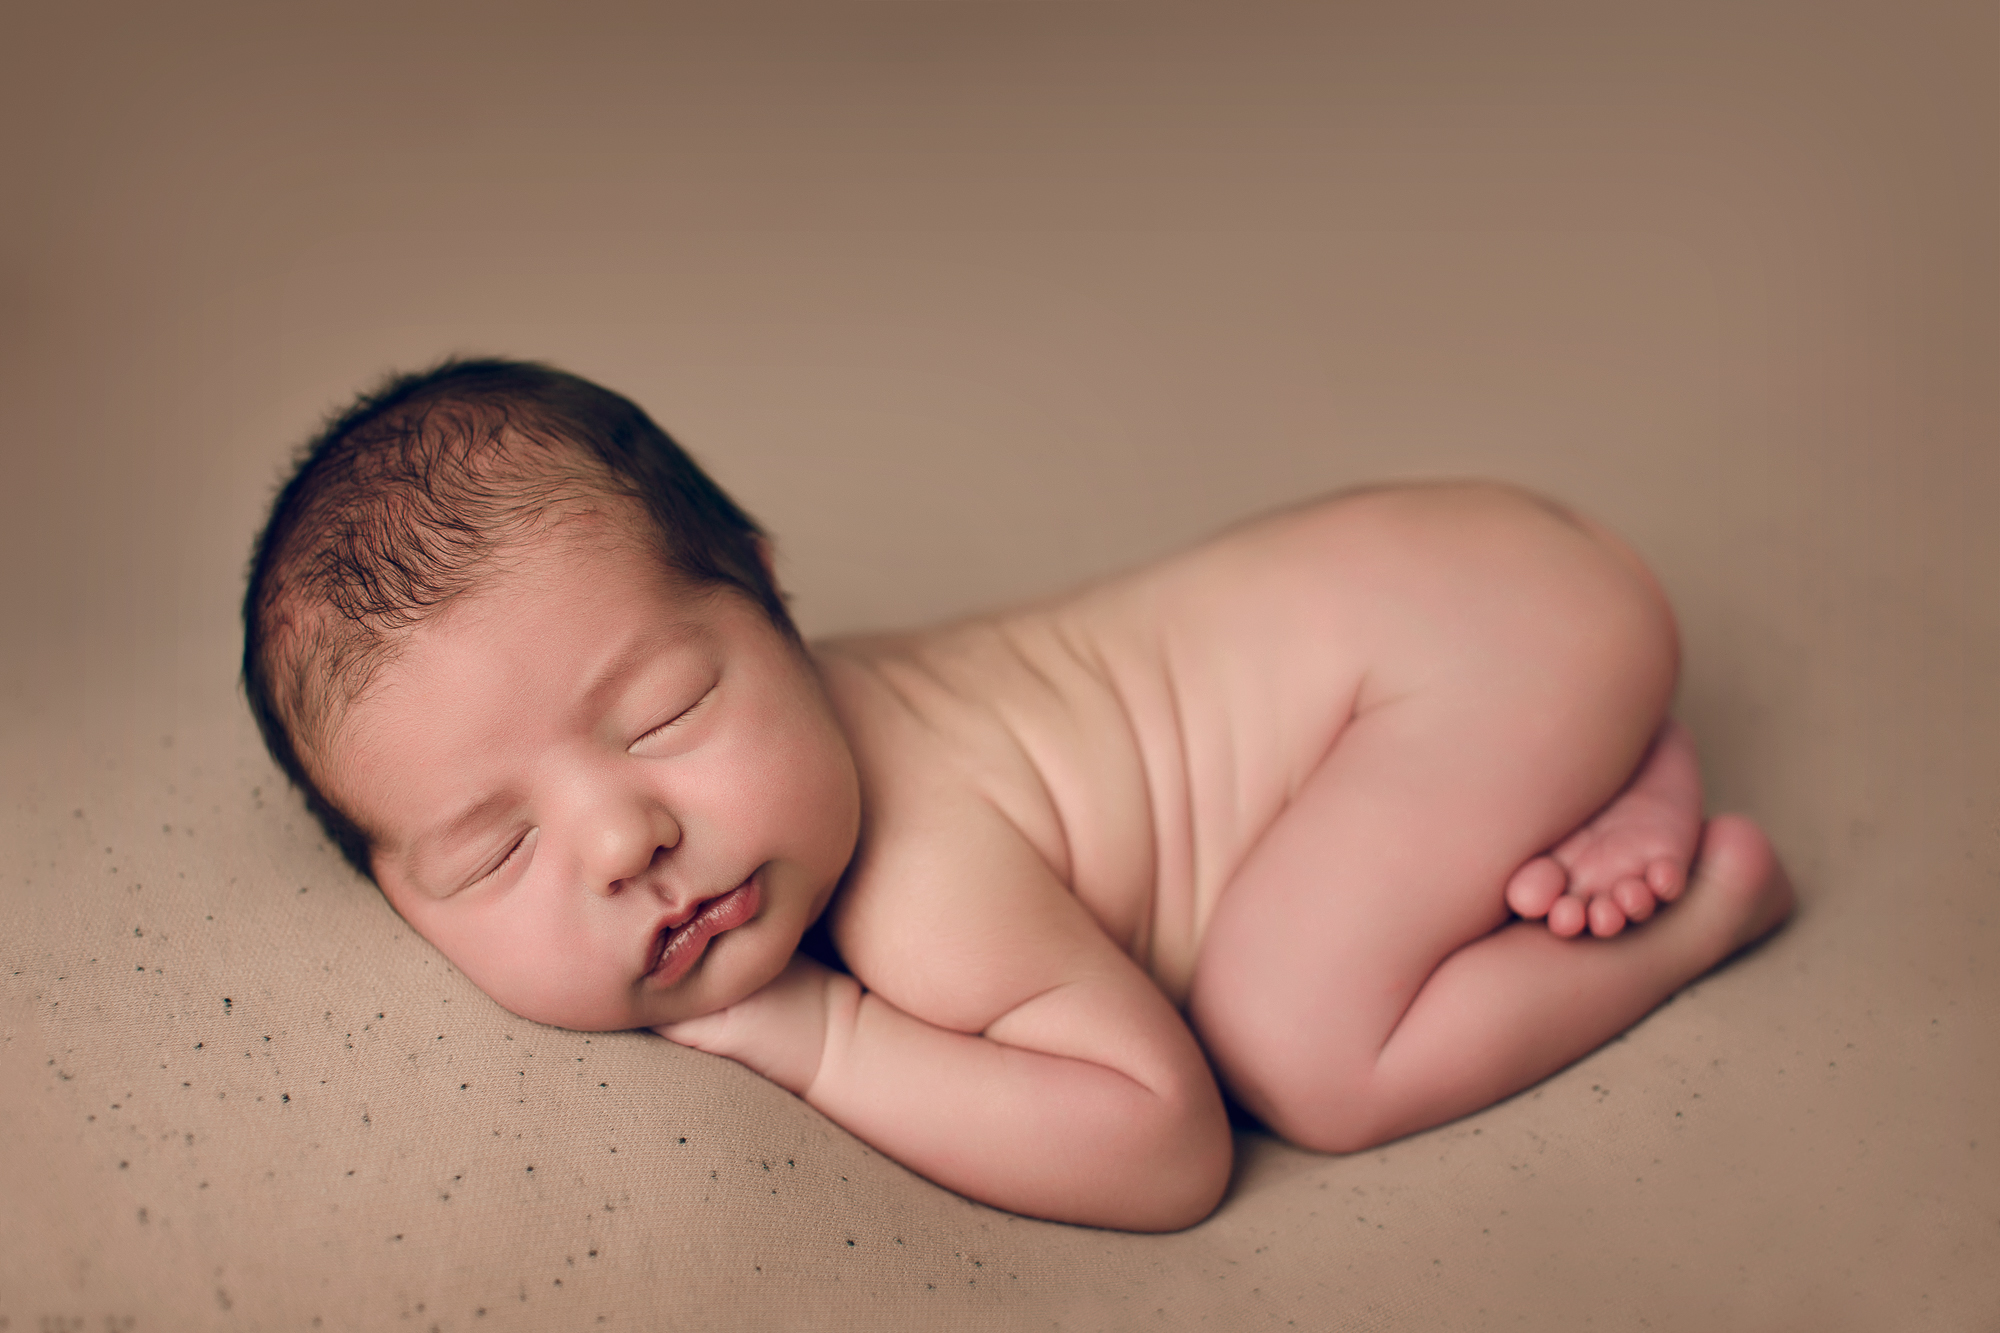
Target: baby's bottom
[{"x": 1363, "y": 976}]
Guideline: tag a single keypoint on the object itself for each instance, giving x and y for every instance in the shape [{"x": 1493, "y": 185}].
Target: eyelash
[
  {"x": 507, "y": 860},
  {"x": 677, "y": 718}
]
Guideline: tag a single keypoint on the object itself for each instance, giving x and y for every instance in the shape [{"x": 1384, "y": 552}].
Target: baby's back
[{"x": 1138, "y": 734}]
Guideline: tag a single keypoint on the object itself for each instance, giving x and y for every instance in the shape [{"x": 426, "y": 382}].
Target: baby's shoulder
[
  {"x": 959, "y": 723},
  {"x": 962, "y": 861}
]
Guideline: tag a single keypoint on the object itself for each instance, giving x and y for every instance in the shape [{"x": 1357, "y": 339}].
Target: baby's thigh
[
  {"x": 1516, "y": 665},
  {"x": 1484, "y": 603},
  {"x": 1393, "y": 855}
]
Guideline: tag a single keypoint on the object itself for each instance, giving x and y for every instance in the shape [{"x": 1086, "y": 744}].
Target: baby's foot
[
  {"x": 1630, "y": 857},
  {"x": 1738, "y": 883}
]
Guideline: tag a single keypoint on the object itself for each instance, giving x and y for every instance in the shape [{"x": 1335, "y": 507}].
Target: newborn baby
[{"x": 1368, "y": 809}]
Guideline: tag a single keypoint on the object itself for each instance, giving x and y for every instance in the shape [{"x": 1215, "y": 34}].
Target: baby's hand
[{"x": 779, "y": 1031}]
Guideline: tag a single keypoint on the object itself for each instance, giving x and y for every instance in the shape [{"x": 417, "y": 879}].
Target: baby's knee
[
  {"x": 1307, "y": 1083},
  {"x": 1320, "y": 1124},
  {"x": 1312, "y": 1106}
]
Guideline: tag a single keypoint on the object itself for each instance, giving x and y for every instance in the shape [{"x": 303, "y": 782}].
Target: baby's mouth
[{"x": 678, "y": 947}]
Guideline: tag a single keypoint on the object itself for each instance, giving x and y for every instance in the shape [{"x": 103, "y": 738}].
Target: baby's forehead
[
  {"x": 613, "y": 583},
  {"x": 557, "y": 629},
  {"x": 573, "y": 553}
]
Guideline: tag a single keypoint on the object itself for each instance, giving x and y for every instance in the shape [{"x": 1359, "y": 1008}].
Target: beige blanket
[{"x": 968, "y": 301}]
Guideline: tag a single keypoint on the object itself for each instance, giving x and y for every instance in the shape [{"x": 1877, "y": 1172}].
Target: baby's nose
[{"x": 627, "y": 848}]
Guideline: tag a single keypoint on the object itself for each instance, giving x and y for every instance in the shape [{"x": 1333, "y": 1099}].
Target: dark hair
[{"x": 398, "y": 504}]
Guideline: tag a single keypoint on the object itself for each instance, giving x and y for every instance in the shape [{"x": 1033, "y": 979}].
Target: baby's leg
[
  {"x": 1630, "y": 857},
  {"x": 1358, "y": 980}
]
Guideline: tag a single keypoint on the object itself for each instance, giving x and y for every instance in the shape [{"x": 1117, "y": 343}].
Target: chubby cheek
[
  {"x": 540, "y": 974},
  {"x": 808, "y": 794}
]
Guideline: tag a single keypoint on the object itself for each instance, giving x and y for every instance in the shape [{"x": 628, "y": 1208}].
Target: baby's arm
[{"x": 1047, "y": 1074}]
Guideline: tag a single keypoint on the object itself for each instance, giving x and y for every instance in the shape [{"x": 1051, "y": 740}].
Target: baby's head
[{"x": 532, "y": 672}]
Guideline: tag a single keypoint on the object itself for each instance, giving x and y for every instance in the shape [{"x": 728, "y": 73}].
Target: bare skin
[
  {"x": 1630, "y": 857},
  {"x": 1323, "y": 806},
  {"x": 1294, "y": 775}
]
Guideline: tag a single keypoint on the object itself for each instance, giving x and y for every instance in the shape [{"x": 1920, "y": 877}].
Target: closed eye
[
  {"x": 517, "y": 852},
  {"x": 676, "y": 720}
]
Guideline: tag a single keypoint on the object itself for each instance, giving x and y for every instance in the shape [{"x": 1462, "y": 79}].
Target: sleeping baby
[{"x": 1368, "y": 810}]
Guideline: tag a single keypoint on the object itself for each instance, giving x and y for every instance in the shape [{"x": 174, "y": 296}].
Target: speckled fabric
[{"x": 966, "y": 302}]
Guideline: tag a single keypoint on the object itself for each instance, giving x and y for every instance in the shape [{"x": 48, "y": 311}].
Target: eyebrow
[{"x": 617, "y": 667}]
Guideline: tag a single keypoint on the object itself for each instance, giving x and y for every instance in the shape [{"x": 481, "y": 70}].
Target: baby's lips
[
  {"x": 680, "y": 947},
  {"x": 663, "y": 932}
]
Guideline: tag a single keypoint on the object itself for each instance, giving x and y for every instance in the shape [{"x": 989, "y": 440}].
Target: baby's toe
[
  {"x": 1535, "y": 887},
  {"x": 1567, "y": 916},
  {"x": 1666, "y": 878},
  {"x": 1606, "y": 918},
  {"x": 1634, "y": 898}
]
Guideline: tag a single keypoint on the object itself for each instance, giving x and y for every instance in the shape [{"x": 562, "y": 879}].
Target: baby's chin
[
  {"x": 576, "y": 1017},
  {"x": 732, "y": 970}
]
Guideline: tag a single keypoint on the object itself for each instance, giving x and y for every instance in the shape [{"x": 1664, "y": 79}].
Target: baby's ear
[{"x": 769, "y": 556}]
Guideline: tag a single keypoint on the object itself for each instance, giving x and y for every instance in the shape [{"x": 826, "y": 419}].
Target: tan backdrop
[{"x": 966, "y": 301}]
